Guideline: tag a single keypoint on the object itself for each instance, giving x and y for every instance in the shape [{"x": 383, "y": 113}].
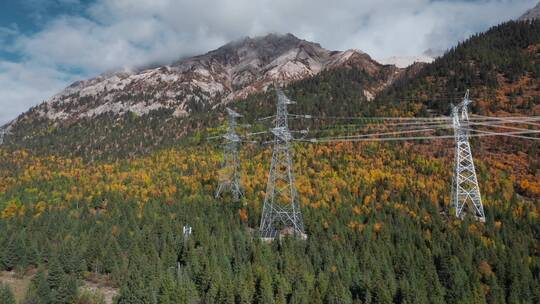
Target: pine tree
[
  {"x": 136, "y": 289},
  {"x": 264, "y": 293},
  {"x": 178, "y": 288},
  {"x": 55, "y": 276},
  {"x": 381, "y": 293},
  {"x": 226, "y": 292},
  {"x": 188, "y": 290},
  {"x": 299, "y": 294},
  {"x": 337, "y": 293},
  {"x": 405, "y": 295},
  {"x": 317, "y": 297},
  {"x": 495, "y": 294},
  {"x": 32, "y": 255},
  {"x": 167, "y": 291},
  {"x": 13, "y": 254},
  {"x": 39, "y": 291},
  {"x": 434, "y": 289},
  {"x": 281, "y": 289},
  {"x": 6, "y": 295},
  {"x": 245, "y": 287},
  {"x": 67, "y": 291}
]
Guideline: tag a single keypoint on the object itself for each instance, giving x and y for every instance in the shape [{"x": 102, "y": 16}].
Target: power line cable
[{"x": 487, "y": 133}]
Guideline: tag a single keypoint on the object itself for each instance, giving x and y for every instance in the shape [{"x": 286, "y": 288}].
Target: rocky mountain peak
[
  {"x": 233, "y": 71},
  {"x": 259, "y": 50},
  {"x": 271, "y": 43}
]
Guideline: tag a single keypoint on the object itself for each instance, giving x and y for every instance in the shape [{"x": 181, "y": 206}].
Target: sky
[{"x": 46, "y": 45}]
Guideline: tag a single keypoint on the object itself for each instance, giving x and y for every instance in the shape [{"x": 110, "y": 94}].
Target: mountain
[
  {"x": 228, "y": 73},
  {"x": 138, "y": 111},
  {"x": 533, "y": 13}
]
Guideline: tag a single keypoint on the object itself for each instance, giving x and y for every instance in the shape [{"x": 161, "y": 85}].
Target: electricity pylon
[
  {"x": 281, "y": 209},
  {"x": 229, "y": 176},
  {"x": 465, "y": 190},
  {"x": 186, "y": 231}
]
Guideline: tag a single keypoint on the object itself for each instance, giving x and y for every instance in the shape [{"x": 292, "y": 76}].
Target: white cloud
[
  {"x": 25, "y": 84},
  {"x": 115, "y": 34}
]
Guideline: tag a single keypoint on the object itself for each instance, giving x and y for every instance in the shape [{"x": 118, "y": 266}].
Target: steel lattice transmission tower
[
  {"x": 3, "y": 133},
  {"x": 281, "y": 210},
  {"x": 465, "y": 190},
  {"x": 229, "y": 176}
]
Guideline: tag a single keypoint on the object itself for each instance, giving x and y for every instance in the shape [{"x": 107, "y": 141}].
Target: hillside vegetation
[
  {"x": 372, "y": 213},
  {"x": 500, "y": 66}
]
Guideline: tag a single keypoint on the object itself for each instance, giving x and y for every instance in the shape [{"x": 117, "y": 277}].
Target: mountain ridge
[
  {"x": 531, "y": 14},
  {"x": 233, "y": 71}
]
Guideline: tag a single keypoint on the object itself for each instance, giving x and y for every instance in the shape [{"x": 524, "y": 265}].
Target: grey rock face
[{"x": 533, "y": 13}]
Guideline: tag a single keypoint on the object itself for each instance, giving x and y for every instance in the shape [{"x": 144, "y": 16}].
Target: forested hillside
[
  {"x": 372, "y": 213},
  {"x": 337, "y": 92},
  {"x": 500, "y": 66},
  {"x": 109, "y": 198}
]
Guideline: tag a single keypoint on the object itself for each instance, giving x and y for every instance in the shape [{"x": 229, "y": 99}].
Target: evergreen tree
[
  {"x": 39, "y": 291},
  {"x": 67, "y": 291},
  {"x": 13, "y": 254},
  {"x": 245, "y": 287},
  {"x": 337, "y": 293},
  {"x": 299, "y": 294},
  {"x": 55, "y": 276},
  {"x": 136, "y": 289},
  {"x": 6, "y": 295},
  {"x": 381, "y": 294},
  {"x": 264, "y": 290},
  {"x": 168, "y": 292},
  {"x": 188, "y": 290}
]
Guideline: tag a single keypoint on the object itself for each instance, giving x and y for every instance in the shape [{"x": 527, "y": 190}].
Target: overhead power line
[{"x": 338, "y": 139}]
